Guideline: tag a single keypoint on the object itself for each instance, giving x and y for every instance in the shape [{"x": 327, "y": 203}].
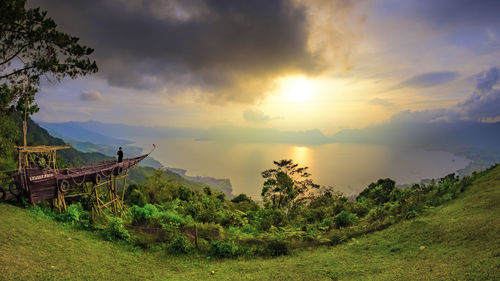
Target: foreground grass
[{"x": 457, "y": 241}]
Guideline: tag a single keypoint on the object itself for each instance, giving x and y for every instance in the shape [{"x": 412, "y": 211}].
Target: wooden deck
[{"x": 44, "y": 184}]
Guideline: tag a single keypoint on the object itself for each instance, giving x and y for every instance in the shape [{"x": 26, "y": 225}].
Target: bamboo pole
[{"x": 196, "y": 236}]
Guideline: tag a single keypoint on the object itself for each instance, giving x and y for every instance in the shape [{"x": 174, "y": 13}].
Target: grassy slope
[{"x": 461, "y": 239}]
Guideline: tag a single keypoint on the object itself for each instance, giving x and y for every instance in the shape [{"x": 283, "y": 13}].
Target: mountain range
[{"x": 477, "y": 141}]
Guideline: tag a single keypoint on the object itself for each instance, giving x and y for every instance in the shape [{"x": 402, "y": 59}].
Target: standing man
[{"x": 120, "y": 154}]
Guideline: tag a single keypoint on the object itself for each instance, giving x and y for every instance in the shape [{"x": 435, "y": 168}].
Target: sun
[{"x": 296, "y": 88}]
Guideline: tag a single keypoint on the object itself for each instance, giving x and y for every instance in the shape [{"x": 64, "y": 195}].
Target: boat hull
[{"x": 45, "y": 184}]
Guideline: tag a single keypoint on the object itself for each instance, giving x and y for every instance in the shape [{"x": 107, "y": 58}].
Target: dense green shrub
[
  {"x": 270, "y": 217},
  {"x": 277, "y": 248},
  {"x": 180, "y": 245},
  {"x": 344, "y": 219},
  {"x": 136, "y": 197},
  {"x": 411, "y": 214},
  {"x": 221, "y": 249},
  {"x": 376, "y": 213},
  {"x": 378, "y": 192},
  {"x": 72, "y": 215},
  {"x": 229, "y": 218},
  {"x": 207, "y": 212},
  {"x": 171, "y": 217},
  {"x": 249, "y": 229},
  {"x": 327, "y": 223},
  {"x": 241, "y": 198},
  {"x": 116, "y": 231},
  {"x": 146, "y": 214},
  {"x": 184, "y": 193},
  {"x": 337, "y": 237},
  {"x": 210, "y": 231}
]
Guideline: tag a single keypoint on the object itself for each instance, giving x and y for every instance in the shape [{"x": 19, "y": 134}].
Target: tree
[
  {"x": 9, "y": 132},
  {"x": 379, "y": 192},
  {"x": 286, "y": 184},
  {"x": 31, "y": 46}
]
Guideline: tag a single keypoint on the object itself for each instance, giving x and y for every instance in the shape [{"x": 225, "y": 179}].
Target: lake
[{"x": 349, "y": 168}]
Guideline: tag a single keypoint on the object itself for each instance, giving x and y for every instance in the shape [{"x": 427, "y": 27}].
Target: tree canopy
[
  {"x": 31, "y": 46},
  {"x": 286, "y": 184}
]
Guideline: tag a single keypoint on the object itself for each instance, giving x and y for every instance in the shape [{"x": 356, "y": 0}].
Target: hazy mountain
[
  {"x": 477, "y": 141},
  {"x": 453, "y": 135},
  {"x": 87, "y": 131},
  {"x": 129, "y": 152},
  {"x": 75, "y": 131}
]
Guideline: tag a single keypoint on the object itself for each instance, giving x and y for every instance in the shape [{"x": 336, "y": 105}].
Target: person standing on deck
[{"x": 120, "y": 154}]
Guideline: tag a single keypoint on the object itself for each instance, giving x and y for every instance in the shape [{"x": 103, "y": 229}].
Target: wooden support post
[
  {"x": 196, "y": 236},
  {"x": 124, "y": 185}
]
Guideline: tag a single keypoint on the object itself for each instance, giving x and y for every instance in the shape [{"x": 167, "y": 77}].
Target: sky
[{"x": 284, "y": 64}]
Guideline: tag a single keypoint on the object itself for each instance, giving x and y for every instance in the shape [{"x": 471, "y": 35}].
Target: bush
[
  {"x": 327, "y": 223},
  {"x": 184, "y": 193},
  {"x": 136, "y": 197},
  {"x": 249, "y": 229},
  {"x": 277, "y": 248},
  {"x": 116, "y": 231},
  {"x": 411, "y": 214},
  {"x": 222, "y": 249},
  {"x": 337, "y": 238},
  {"x": 180, "y": 245},
  {"x": 270, "y": 217},
  {"x": 345, "y": 218},
  {"x": 144, "y": 214},
  {"x": 377, "y": 213},
  {"x": 169, "y": 217},
  {"x": 72, "y": 215},
  {"x": 231, "y": 218},
  {"x": 208, "y": 210},
  {"x": 210, "y": 231},
  {"x": 203, "y": 245},
  {"x": 169, "y": 231},
  {"x": 241, "y": 198}
]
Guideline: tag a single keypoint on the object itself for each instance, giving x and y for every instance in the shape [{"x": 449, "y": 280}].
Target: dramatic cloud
[
  {"x": 380, "y": 102},
  {"x": 486, "y": 80},
  {"x": 483, "y": 104},
  {"x": 485, "y": 101},
  {"x": 458, "y": 13},
  {"x": 91, "y": 96},
  {"x": 219, "y": 49},
  {"x": 256, "y": 116},
  {"x": 430, "y": 79}
]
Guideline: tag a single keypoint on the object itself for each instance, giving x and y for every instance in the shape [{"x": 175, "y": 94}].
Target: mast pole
[{"x": 25, "y": 122}]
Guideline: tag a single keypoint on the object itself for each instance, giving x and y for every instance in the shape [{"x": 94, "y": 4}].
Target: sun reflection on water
[{"x": 300, "y": 155}]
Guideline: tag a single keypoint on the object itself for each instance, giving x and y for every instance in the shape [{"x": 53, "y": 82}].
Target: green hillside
[{"x": 459, "y": 240}]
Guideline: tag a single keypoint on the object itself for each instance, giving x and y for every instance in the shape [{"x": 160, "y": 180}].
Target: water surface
[{"x": 347, "y": 167}]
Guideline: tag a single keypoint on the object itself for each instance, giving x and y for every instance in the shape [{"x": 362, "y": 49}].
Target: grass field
[{"x": 457, "y": 241}]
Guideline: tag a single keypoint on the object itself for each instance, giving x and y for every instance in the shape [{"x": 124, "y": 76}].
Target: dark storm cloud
[
  {"x": 430, "y": 79},
  {"x": 216, "y": 46}
]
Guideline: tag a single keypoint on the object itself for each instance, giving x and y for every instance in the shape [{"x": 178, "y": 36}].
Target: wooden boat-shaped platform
[{"x": 44, "y": 184}]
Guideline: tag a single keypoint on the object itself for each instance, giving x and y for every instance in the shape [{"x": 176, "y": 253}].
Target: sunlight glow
[
  {"x": 300, "y": 154},
  {"x": 297, "y": 88}
]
